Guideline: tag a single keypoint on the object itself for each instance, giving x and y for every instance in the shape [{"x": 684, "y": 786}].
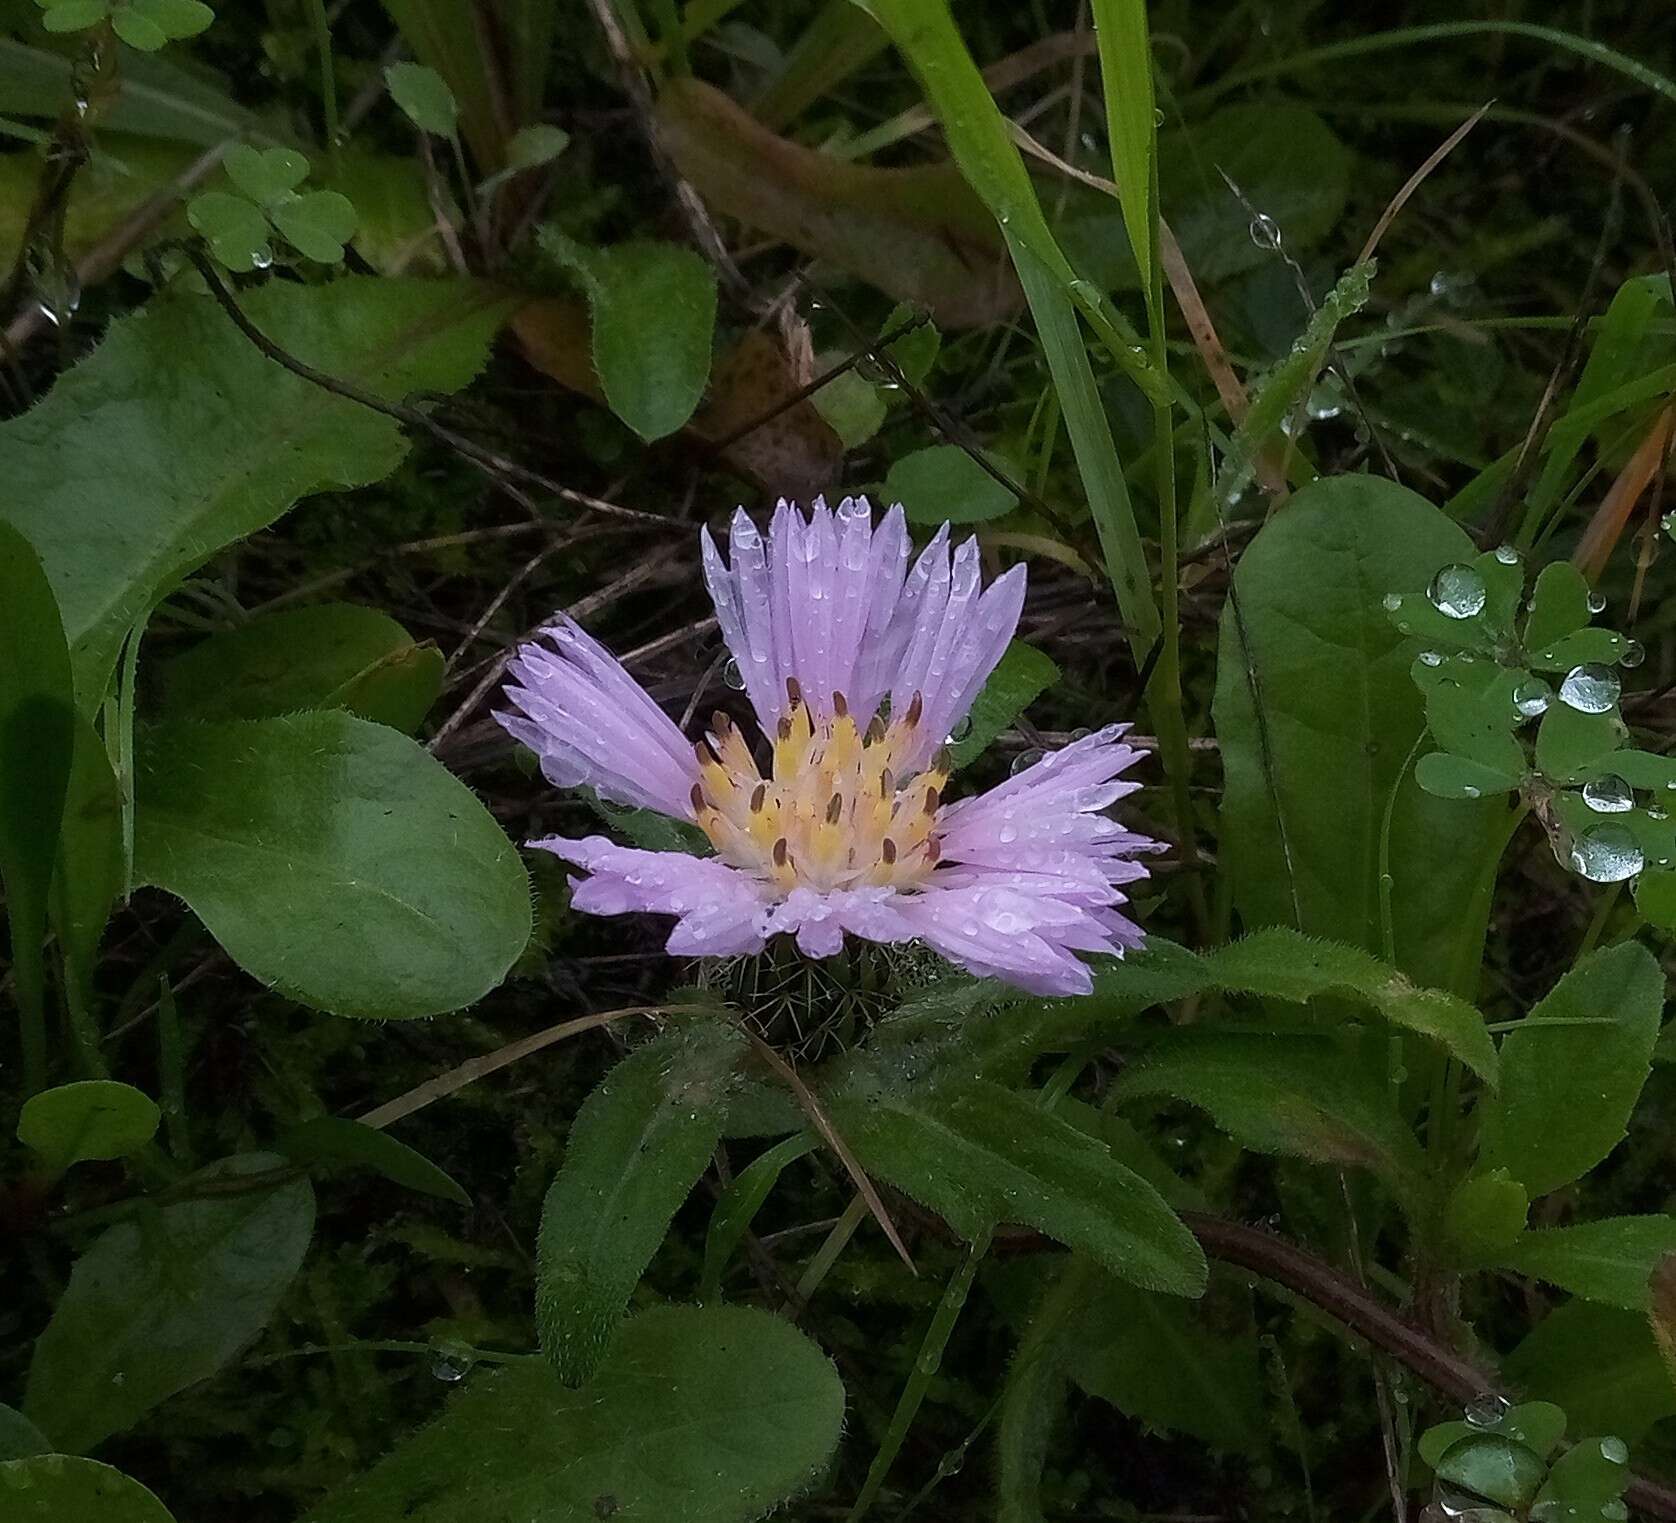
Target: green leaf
[
  {"x": 175, "y": 19},
  {"x": 237, "y": 231},
  {"x": 74, "y": 15},
  {"x": 1126, "y": 83},
  {"x": 1486, "y": 1213},
  {"x": 853, "y": 408},
  {"x": 1559, "y": 605},
  {"x": 425, "y": 97},
  {"x": 20, "y": 1438},
  {"x": 636, "y": 1148},
  {"x": 1021, "y": 676},
  {"x": 1572, "y": 746},
  {"x": 1610, "y": 1261},
  {"x": 228, "y": 446},
  {"x": 37, "y": 742},
  {"x": 530, "y": 147},
  {"x": 265, "y": 175},
  {"x": 1156, "y": 1359},
  {"x": 138, "y": 30},
  {"x": 1598, "y": 1363},
  {"x": 1459, "y": 777},
  {"x": 1587, "y": 1482},
  {"x": 97, "y": 1118},
  {"x": 165, "y": 1300},
  {"x": 943, "y": 484},
  {"x": 1538, "y": 1425},
  {"x": 702, "y": 1414},
  {"x": 1605, "y": 647},
  {"x": 1309, "y": 775},
  {"x": 88, "y": 878},
  {"x": 340, "y": 1141},
  {"x": 331, "y": 656},
  {"x": 1470, "y": 712},
  {"x": 654, "y": 321},
  {"x": 739, "y": 1203},
  {"x": 1280, "y": 964},
  {"x": 402, "y": 895},
  {"x": 58, "y": 1488},
  {"x": 1300, "y": 1096},
  {"x": 1286, "y": 161},
  {"x": 1493, "y": 1467},
  {"x": 317, "y": 224},
  {"x": 978, "y": 1154},
  {"x": 1567, "y": 1090},
  {"x": 1655, "y": 897},
  {"x": 916, "y": 351}
]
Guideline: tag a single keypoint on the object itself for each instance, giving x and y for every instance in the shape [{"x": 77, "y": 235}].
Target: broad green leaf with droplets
[
  {"x": 1610, "y": 1260},
  {"x": 1567, "y": 1091},
  {"x": 1459, "y": 777},
  {"x": 1559, "y": 605},
  {"x": 636, "y": 1148},
  {"x": 62, "y": 1488},
  {"x": 1493, "y": 1467},
  {"x": 1603, "y": 647},
  {"x": 1573, "y": 746},
  {"x": 1470, "y": 711},
  {"x": 715, "y": 1414},
  {"x": 1317, "y": 717},
  {"x": 1538, "y": 1425},
  {"x": 92, "y": 1119},
  {"x": 329, "y": 656},
  {"x": 1586, "y": 1484},
  {"x": 228, "y": 446},
  {"x": 979, "y": 1155},
  {"x": 165, "y": 1300},
  {"x": 402, "y": 896}
]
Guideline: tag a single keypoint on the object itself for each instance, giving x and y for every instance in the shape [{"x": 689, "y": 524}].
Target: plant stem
[{"x": 328, "y": 79}]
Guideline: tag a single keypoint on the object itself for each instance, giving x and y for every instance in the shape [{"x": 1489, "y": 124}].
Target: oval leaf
[
  {"x": 945, "y": 484},
  {"x": 97, "y": 1118},
  {"x": 60, "y": 1488},
  {"x": 402, "y": 896},
  {"x": 158, "y": 1304},
  {"x": 702, "y": 1414},
  {"x": 338, "y": 1140}
]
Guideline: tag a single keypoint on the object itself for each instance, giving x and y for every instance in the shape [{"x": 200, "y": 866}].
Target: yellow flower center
[{"x": 834, "y": 813}]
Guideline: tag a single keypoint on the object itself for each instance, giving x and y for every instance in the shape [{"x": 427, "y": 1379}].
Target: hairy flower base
[
  {"x": 841, "y": 826},
  {"x": 832, "y": 813}
]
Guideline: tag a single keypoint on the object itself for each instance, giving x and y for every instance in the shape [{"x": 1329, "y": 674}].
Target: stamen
[
  {"x": 782, "y": 852},
  {"x": 759, "y": 795},
  {"x": 783, "y": 729},
  {"x": 698, "y": 798},
  {"x": 932, "y": 799},
  {"x": 840, "y": 704},
  {"x": 887, "y": 783},
  {"x": 887, "y": 850},
  {"x": 720, "y": 723},
  {"x": 835, "y": 809},
  {"x": 915, "y": 709},
  {"x": 703, "y": 753},
  {"x": 794, "y": 691},
  {"x": 875, "y": 730}
]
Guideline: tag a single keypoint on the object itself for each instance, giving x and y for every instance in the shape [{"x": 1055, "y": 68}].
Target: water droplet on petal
[
  {"x": 732, "y": 676},
  {"x": 1608, "y": 794},
  {"x": 960, "y": 729},
  {"x": 1024, "y": 761},
  {"x": 1590, "y": 688},
  {"x": 1606, "y": 854},
  {"x": 1597, "y": 602},
  {"x": 1458, "y": 592}
]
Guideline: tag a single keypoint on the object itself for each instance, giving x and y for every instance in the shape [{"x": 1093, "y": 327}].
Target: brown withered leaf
[
  {"x": 918, "y": 234},
  {"x": 1661, "y": 1311},
  {"x": 795, "y": 453}
]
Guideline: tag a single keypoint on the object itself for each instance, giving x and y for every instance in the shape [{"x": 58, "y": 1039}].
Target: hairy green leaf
[
  {"x": 706, "y": 1415},
  {"x": 163, "y": 1301},
  {"x": 1600, "y": 1364},
  {"x": 1611, "y": 1261},
  {"x": 636, "y": 1148}
]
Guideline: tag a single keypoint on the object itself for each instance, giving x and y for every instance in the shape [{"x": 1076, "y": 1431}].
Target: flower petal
[
  {"x": 998, "y": 932},
  {"x": 590, "y": 722},
  {"x": 722, "y": 911},
  {"x": 820, "y": 920}
]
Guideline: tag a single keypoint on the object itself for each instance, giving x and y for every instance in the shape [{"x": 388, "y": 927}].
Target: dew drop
[
  {"x": 1392, "y": 602},
  {"x": 1597, "y": 602},
  {"x": 1265, "y": 232},
  {"x": 261, "y": 259},
  {"x": 1326, "y": 401},
  {"x": 960, "y": 729},
  {"x": 1632, "y": 655},
  {"x": 1668, "y": 523},
  {"x": 1507, "y": 555},
  {"x": 1614, "y": 1510},
  {"x": 1430, "y": 658},
  {"x": 1458, "y": 592},
  {"x": 1608, "y": 794},
  {"x": 1590, "y": 688},
  {"x": 449, "y": 1365},
  {"x": 1487, "y": 1409},
  {"x": 1615, "y": 1451},
  {"x": 732, "y": 676},
  {"x": 1606, "y": 854},
  {"x": 1024, "y": 761},
  {"x": 1532, "y": 697}
]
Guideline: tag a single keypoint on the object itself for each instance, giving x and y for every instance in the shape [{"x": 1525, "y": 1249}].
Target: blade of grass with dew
[
  {"x": 925, "y": 34},
  {"x": 1120, "y": 29}
]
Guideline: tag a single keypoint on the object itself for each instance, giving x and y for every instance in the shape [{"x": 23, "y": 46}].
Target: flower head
[{"x": 857, "y": 665}]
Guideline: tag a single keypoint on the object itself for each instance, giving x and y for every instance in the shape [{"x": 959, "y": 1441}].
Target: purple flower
[{"x": 857, "y": 666}]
